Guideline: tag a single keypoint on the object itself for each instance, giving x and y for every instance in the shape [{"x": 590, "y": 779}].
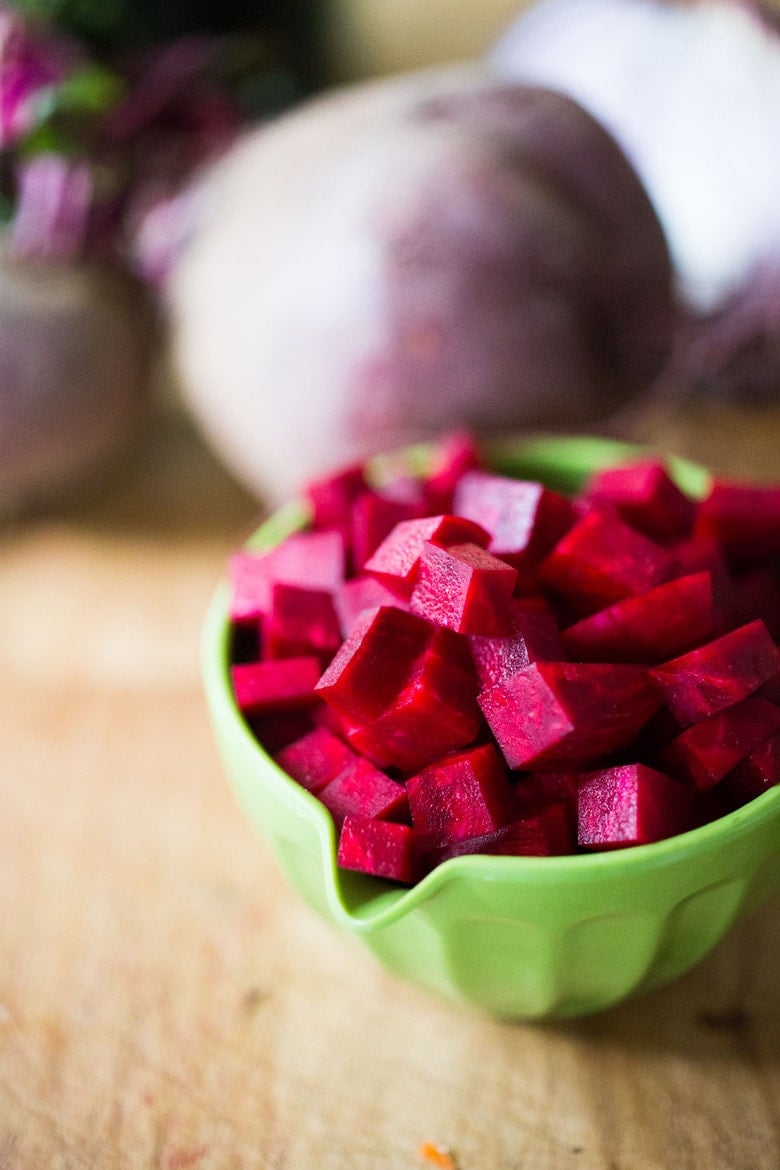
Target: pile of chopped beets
[{"x": 469, "y": 663}]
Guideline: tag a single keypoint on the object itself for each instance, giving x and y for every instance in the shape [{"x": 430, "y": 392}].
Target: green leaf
[
  {"x": 6, "y": 209},
  {"x": 90, "y": 90},
  {"x": 49, "y": 139}
]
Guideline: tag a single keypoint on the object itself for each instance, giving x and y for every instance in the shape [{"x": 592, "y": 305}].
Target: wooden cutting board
[{"x": 165, "y": 1002}]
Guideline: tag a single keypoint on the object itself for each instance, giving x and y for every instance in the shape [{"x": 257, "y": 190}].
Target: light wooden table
[{"x": 165, "y": 1002}]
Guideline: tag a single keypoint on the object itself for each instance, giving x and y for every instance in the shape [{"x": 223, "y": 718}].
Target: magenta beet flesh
[
  {"x": 332, "y": 497},
  {"x": 359, "y": 594},
  {"x": 278, "y": 684},
  {"x": 433, "y": 713},
  {"x": 454, "y": 455},
  {"x": 524, "y": 519},
  {"x": 404, "y": 689},
  {"x": 533, "y": 637},
  {"x": 301, "y": 621},
  {"x": 601, "y": 560},
  {"x": 314, "y": 560},
  {"x": 315, "y": 758},
  {"x": 372, "y": 518},
  {"x": 744, "y": 519},
  {"x": 646, "y": 497},
  {"x": 396, "y": 561},
  {"x": 461, "y": 796},
  {"x": 715, "y": 676},
  {"x": 360, "y": 789},
  {"x": 709, "y": 750},
  {"x": 651, "y": 627},
  {"x": 565, "y": 714},
  {"x": 757, "y": 773},
  {"x": 630, "y": 805},
  {"x": 374, "y": 663},
  {"x": 463, "y": 588},
  {"x": 381, "y": 848}
]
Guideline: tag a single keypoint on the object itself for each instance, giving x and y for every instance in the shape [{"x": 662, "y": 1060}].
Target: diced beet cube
[
  {"x": 497, "y": 658},
  {"x": 555, "y": 823},
  {"x": 331, "y": 497},
  {"x": 276, "y": 684},
  {"x": 709, "y": 750},
  {"x": 395, "y": 562},
  {"x": 564, "y": 714},
  {"x": 757, "y": 773},
  {"x": 372, "y": 518},
  {"x": 315, "y": 560},
  {"x": 536, "y": 792},
  {"x": 404, "y": 690},
  {"x": 250, "y": 586},
  {"x": 433, "y": 713},
  {"x": 530, "y": 837},
  {"x": 650, "y": 627},
  {"x": 525, "y": 838},
  {"x": 301, "y": 621},
  {"x": 695, "y": 554},
  {"x": 630, "y": 805},
  {"x": 558, "y": 823},
  {"x": 315, "y": 758},
  {"x": 744, "y": 519},
  {"x": 381, "y": 848},
  {"x": 524, "y": 519},
  {"x": 362, "y": 790},
  {"x": 463, "y": 588},
  {"x": 533, "y": 637},
  {"x": 452, "y": 457},
  {"x": 359, "y": 594},
  {"x": 698, "y": 554},
  {"x": 374, "y": 663},
  {"x": 717, "y": 675},
  {"x": 646, "y": 497},
  {"x": 601, "y": 560},
  {"x": 461, "y": 796}
]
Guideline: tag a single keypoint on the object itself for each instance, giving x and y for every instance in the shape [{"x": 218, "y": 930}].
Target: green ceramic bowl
[{"x": 517, "y": 937}]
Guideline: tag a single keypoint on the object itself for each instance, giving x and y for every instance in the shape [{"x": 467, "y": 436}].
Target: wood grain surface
[{"x": 166, "y": 1003}]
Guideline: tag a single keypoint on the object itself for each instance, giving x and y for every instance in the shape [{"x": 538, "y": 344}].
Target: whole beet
[
  {"x": 74, "y": 365},
  {"x": 407, "y": 256}
]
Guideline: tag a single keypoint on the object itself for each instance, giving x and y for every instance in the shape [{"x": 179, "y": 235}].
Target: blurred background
[{"x": 162, "y": 165}]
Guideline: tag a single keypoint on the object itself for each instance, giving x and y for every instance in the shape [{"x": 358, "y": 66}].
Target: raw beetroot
[
  {"x": 463, "y": 588},
  {"x": 397, "y": 559},
  {"x": 647, "y": 497},
  {"x": 719, "y": 674},
  {"x": 526, "y": 675},
  {"x": 650, "y": 627},
  {"x": 567, "y": 714},
  {"x": 630, "y": 805}
]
